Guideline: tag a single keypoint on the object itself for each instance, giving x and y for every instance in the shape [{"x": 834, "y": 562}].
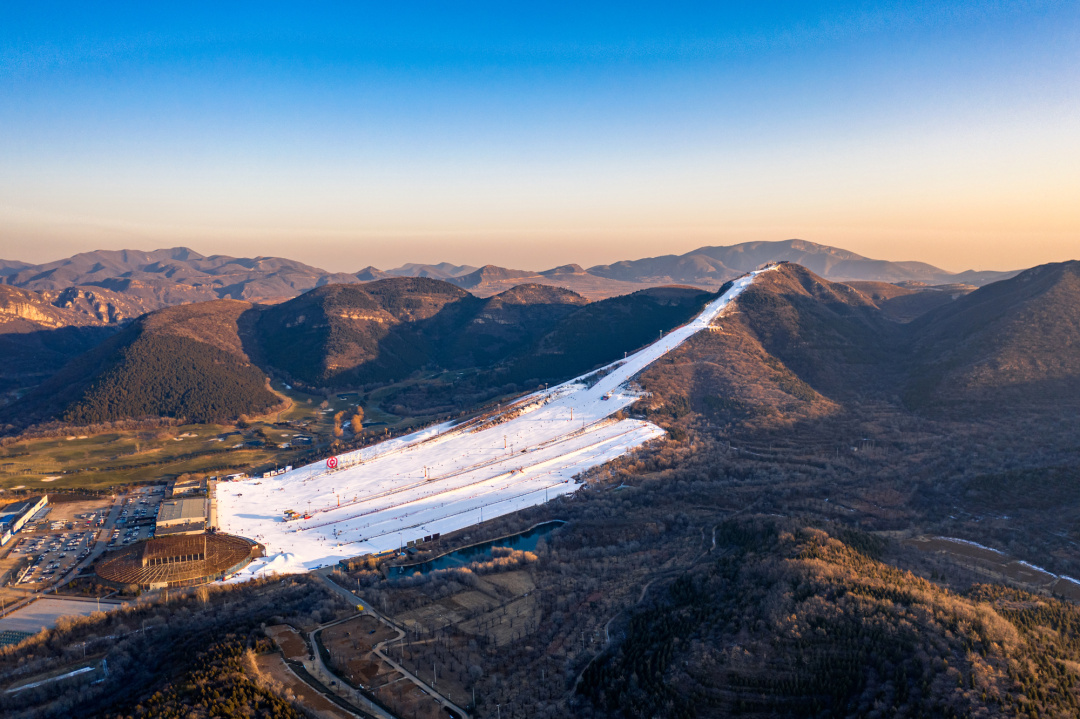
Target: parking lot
[
  {"x": 55, "y": 553},
  {"x": 138, "y": 511},
  {"x": 66, "y": 534}
]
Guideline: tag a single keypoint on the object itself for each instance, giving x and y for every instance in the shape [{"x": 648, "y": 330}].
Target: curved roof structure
[{"x": 178, "y": 561}]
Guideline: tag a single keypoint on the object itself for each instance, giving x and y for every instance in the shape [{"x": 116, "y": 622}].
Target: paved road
[
  {"x": 378, "y": 648},
  {"x": 334, "y": 683}
]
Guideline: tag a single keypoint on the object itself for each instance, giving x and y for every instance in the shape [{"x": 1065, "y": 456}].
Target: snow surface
[
  {"x": 448, "y": 476},
  {"x": 1018, "y": 561}
]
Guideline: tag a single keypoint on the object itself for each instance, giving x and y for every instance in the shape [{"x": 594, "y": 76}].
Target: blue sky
[{"x": 356, "y": 134}]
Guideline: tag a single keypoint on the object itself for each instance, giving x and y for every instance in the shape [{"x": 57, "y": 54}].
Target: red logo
[{"x": 332, "y": 462}]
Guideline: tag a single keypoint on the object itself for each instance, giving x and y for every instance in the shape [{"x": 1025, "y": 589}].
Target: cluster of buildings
[
  {"x": 185, "y": 551},
  {"x": 187, "y": 510}
]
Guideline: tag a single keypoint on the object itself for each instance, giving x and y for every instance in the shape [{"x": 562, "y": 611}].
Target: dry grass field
[
  {"x": 999, "y": 567},
  {"x": 289, "y": 641},
  {"x": 350, "y": 646}
]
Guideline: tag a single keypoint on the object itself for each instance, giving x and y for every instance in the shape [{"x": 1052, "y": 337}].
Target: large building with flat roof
[
  {"x": 182, "y": 516},
  {"x": 15, "y": 515}
]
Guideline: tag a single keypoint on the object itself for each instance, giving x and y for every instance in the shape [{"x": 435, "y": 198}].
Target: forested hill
[
  {"x": 791, "y": 346},
  {"x": 603, "y": 331},
  {"x": 1017, "y": 340},
  {"x": 795, "y": 345},
  {"x": 193, "y": 360},
  {"x": 183, "y": 362},
  {"x": 344, "y": 335},
  {"x": 786, "y": 620}
]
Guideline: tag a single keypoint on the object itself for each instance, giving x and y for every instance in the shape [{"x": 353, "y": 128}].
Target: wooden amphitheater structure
[{"x": 178, "y": 561}]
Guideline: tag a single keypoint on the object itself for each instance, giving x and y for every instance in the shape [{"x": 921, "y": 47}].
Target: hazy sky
[{"x": 535, "y": 134}]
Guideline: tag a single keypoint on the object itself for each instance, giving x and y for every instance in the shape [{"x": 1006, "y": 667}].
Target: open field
[
  {"x": 103, "y": 460},
  {"x": 108, "y": 459},
  {"x": 116, "y": 458},
  {"x": 45, "y": 612},
  {"x": 350, "y": 645},
  {"x": 448, "y": 477},
  {"x": 290, "y": 643}
]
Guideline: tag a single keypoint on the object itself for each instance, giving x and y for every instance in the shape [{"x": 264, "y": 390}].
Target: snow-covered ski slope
[{"x": 448, "y": 477}]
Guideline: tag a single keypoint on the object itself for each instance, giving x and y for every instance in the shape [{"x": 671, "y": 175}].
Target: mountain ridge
[
  {"x": 796, "y": 344},
  {"x": 164, "y": 277}
]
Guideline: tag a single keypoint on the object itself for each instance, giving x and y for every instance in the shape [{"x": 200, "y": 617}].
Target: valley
[
  {"x": 851, "y": 440},
  {"x": 444, "y": 478}
]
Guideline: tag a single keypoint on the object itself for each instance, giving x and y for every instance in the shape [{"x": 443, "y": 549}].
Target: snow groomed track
[{"x": 448, "y": 477}]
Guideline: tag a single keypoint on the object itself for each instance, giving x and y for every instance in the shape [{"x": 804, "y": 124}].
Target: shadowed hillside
[
  {"x": 39, "y": 333},
  {"x": 356, "y": 334},
  {"x": 1018, "y": 339},
  {"x": 192, "y": 360},
  {"x": 786, "y": 348},
  {"x": 603, "y": 331},
  {"x": 510, "y": 322},
  {"x": 383, "y": 331},
  {"x": 184, "y": 361},
  {"x": 907, "y": 301}
]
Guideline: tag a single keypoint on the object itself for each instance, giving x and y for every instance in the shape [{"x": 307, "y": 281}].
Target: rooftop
[
  {"x": 19, "y": 507},
  {"x": 173, "y": 546},
  {"x": 182, "y": 510},
  {"x": 177, "y": 561}
]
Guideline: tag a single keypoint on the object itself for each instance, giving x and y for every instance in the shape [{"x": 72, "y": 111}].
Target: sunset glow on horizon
[{"x": 376, "y": 134}]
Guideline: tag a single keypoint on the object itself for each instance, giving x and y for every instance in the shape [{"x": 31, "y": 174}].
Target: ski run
[{"x": 449, "y": 476}]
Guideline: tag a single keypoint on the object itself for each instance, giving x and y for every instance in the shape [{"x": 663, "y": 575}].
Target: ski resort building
[
  {"x": 182, "y": 516},
  {"x": 179, "y": 561},
  {"x": 17, "y": 514}
]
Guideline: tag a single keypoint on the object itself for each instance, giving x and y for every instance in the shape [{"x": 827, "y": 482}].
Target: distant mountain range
[
  {"x": 794, "y": 343},
  {"x": 707, "y": 265},
  {"x": 210, "y": 360},
  {"x": 143, "y": 281},
  {"x": 85, "y": 339}
]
